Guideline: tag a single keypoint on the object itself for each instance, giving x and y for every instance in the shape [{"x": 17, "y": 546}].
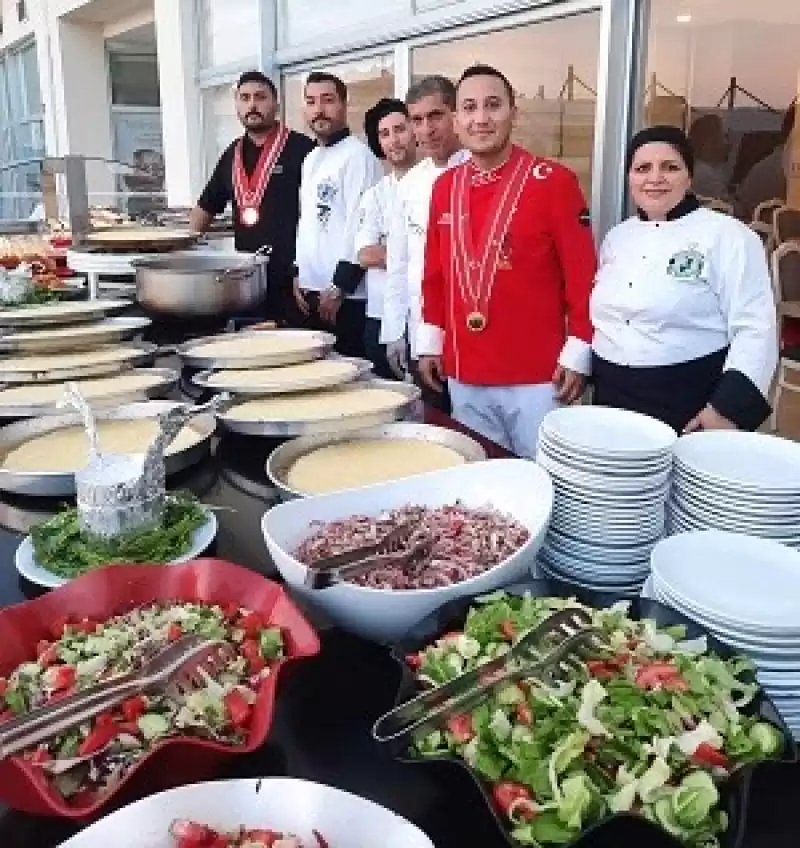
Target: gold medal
[
  {"x": 250, "y": 216},
  {"x": 476, "y": 322}
]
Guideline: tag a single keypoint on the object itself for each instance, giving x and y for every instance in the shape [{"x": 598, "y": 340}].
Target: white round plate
[
  {"x": 627, "y": 468},
  {"x": 602, "y": 482},
  {"x": 753, "y": 461},
  {"x": 605, "y": 431},
  {"x": 31, "y": 570},
  {"x": 753, "y": 581},
  {"x": 621, "y": 589}
]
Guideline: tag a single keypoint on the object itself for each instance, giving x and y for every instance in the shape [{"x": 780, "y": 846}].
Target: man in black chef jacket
[{"x": 259, "y": 174}]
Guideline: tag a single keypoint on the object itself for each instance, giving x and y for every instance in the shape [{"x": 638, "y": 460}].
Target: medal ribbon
[
  {"x": 249, "y": 190},
  {"x": 475, "y": 266}
]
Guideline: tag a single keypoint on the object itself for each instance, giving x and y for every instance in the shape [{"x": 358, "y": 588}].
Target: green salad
[
  {"x": 61, "y": 546},
  {"x": 650, "y": 725}
]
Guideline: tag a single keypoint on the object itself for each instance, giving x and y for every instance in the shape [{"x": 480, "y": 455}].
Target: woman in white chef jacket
[{"x": 683, "y": 310}]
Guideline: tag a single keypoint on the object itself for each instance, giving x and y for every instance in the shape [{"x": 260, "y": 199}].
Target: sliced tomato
[
  {"x": 675, "y": 684},
  {"x": 460, "y": 727},
  {"x": 61, "y": 677},
  {"x": 251, "y": 623},
  {"x": 237, "y": 708},
  {"x": 524, "y": 714},
  {"x": 600, "y": 670},
  {"x": 7, "y": 715},
  {"x": 134, "y": 708},
  {"x": 129, "y": 728},
  {"x": 660, "y": 675},
  {"x": 252, "y": 653},
  {"x": 413, "y": 661},
  {"x": 507, "y": 793},
  {"x": 104, "y": 719},
  {"x": 705, "y": 755},
  {"x": 97, "y": 739},
  {"x": 508, "y": 630},
  {"x": 87, "y": 626},
  {"x": 174, "y": 632},
  {"x": 189, "y": 834},
  {"x": 41, "y": 756},
  {"x": 3, "y": 686},
  {"x": 451, "y": 634},
  {"x": 46, "y": 653}
]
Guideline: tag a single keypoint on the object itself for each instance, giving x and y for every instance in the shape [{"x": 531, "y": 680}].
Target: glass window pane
[
  {"x": 368, "y": 80},
  {"x": 220, "y": 124},
  {"x": 134, "y": 79},
  {"x": 306, "y": 20},
  {"x": 229, "y": 31},
  {"x": 727, "y": 72},
  {"x": 553, "y": 67}
]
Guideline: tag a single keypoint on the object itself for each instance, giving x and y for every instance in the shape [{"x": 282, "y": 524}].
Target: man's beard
[{"x": 256, "y": 122}]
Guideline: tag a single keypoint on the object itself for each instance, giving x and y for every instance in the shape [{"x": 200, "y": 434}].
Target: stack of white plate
[
  {"x": 746, "y": 592},
  {"x": 741, "y": 482},
  {"x": 611, "y": 471}
]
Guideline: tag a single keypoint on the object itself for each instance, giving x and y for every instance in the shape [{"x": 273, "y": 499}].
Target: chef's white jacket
[
  {"x": 673, "y": 291},
  {"x": 333, "y": 181},
  {"x": 405, "y": 251},
  {"x": 373, "y": 231}
]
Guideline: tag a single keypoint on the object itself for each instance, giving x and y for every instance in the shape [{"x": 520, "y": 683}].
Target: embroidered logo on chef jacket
[
  {"x": 414, "y": 227},
  {"x": 541, "y": 171},
  {"x": 445, "y": 219},
  {"x": 326, "y": 193},
  {"x": 686, "y": 264},
  {"x": 277, "y": 169}
]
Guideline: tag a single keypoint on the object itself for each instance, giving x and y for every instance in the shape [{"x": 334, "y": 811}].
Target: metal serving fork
[
  {"x": 567, "y": 632},
  {"x": 326, "y": 571},
  {"x": 175, "y": 671}
]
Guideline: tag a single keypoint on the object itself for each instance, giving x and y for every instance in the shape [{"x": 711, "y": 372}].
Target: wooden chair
[
  {"x": 765, "y": 211},
  {"x": 785, "y": 267},
  {"x": 786, "y": 224}
]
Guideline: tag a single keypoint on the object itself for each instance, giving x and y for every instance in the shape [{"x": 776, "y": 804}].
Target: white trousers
[{"x": 507, "y": 415}]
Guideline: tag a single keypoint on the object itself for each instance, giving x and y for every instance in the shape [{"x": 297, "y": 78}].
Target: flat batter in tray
[
  {"x": 324, "y": 405},
  {"x": 285, "y": 378},
  {"x": 60, "y": 361},
  {"x": 260, "y": 345},
  {"x": 53, "y": 393},
  {"x": 67, "y": 449},
  {"x": 363, "y": 462}
]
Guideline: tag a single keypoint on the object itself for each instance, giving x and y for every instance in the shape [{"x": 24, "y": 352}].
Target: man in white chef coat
[
  {"x": 388, "y": 130},
  {"x": 431, "y": 105},
  {"x": 329, "y": 287}
]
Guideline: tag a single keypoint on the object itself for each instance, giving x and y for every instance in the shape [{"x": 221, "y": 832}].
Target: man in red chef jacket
[{"x": 509, "y": 265}]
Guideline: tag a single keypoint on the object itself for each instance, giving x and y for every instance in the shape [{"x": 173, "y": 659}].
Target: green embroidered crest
[{"x": 687, "y": 264}]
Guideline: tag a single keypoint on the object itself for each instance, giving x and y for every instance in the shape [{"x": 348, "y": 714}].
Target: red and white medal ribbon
[
  {"x": 249, "y": 190},
  {"x": 475, "y": 265}
]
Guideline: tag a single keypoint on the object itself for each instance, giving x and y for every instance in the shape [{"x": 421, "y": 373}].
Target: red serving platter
[{"x": 101, "y": 594}]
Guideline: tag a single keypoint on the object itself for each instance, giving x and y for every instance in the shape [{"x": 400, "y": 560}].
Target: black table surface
[{"x": 326, "y": 706}]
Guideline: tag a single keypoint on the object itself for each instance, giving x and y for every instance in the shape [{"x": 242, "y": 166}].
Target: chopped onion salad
[
  {"x": 189, "y": 834},
  {"x": 650, "y": 725},
  {"x": 84, "y": 653}
]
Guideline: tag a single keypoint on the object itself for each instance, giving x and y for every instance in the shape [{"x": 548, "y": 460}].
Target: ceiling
[{"x": 109, "y": 11}]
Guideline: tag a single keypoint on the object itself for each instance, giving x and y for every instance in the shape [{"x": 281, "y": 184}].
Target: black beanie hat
[
  {"x": 673, "y": 136},
  {"x": 373, "y": 116}
]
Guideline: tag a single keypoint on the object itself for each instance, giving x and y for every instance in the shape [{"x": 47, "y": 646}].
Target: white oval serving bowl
[
  {"x": 516, "y": 487},
  {"x": 282, "y": 804}
]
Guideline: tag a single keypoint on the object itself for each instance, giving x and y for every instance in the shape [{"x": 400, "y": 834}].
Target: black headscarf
[
  {"x": 673, "y": 136},
  {"x": 384, "y": 107}
]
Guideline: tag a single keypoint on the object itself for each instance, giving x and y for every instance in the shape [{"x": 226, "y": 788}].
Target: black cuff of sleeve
[
  {"x": 295, "y": 271},
  {"x": 737, "y": 399},
  {"x": 347, "y": 276}
]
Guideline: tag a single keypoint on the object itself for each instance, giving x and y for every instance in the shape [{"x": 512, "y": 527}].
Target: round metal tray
[
  {"x": 284, "y": 457},
  {"x": 346, "y": 423},
  {"x": 167, "y": 380},
  {"x": 61, "y": 483},
  {"x": 144, "y": 355},
  {"x": 59, "y": 313},
  {"x": 141, "y": 239},
  {"x": 82, "y": 337},
  {"x": 323, "y": 346},
  {"x": 363, "y": 368}
]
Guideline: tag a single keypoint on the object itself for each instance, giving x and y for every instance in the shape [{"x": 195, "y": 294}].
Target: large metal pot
[{"x": 191, "y": 285}]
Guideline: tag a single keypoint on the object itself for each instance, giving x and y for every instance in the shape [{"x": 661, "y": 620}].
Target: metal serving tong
[
  {"x": 326, "y": 571},
  {"x": 549, "y": 650},
  {"x": 175, "y": 671}
]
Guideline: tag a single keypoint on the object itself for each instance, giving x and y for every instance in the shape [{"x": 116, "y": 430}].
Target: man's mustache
[
  {"x": 320, "y": 118},
  {"x": 254, "y": 114}
]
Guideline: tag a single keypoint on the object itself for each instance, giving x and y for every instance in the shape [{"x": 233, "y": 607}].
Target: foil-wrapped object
[{"x": 119, "y": 493}]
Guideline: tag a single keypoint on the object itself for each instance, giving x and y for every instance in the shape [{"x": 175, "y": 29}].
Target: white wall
[{"x": 13, "y": 29}]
